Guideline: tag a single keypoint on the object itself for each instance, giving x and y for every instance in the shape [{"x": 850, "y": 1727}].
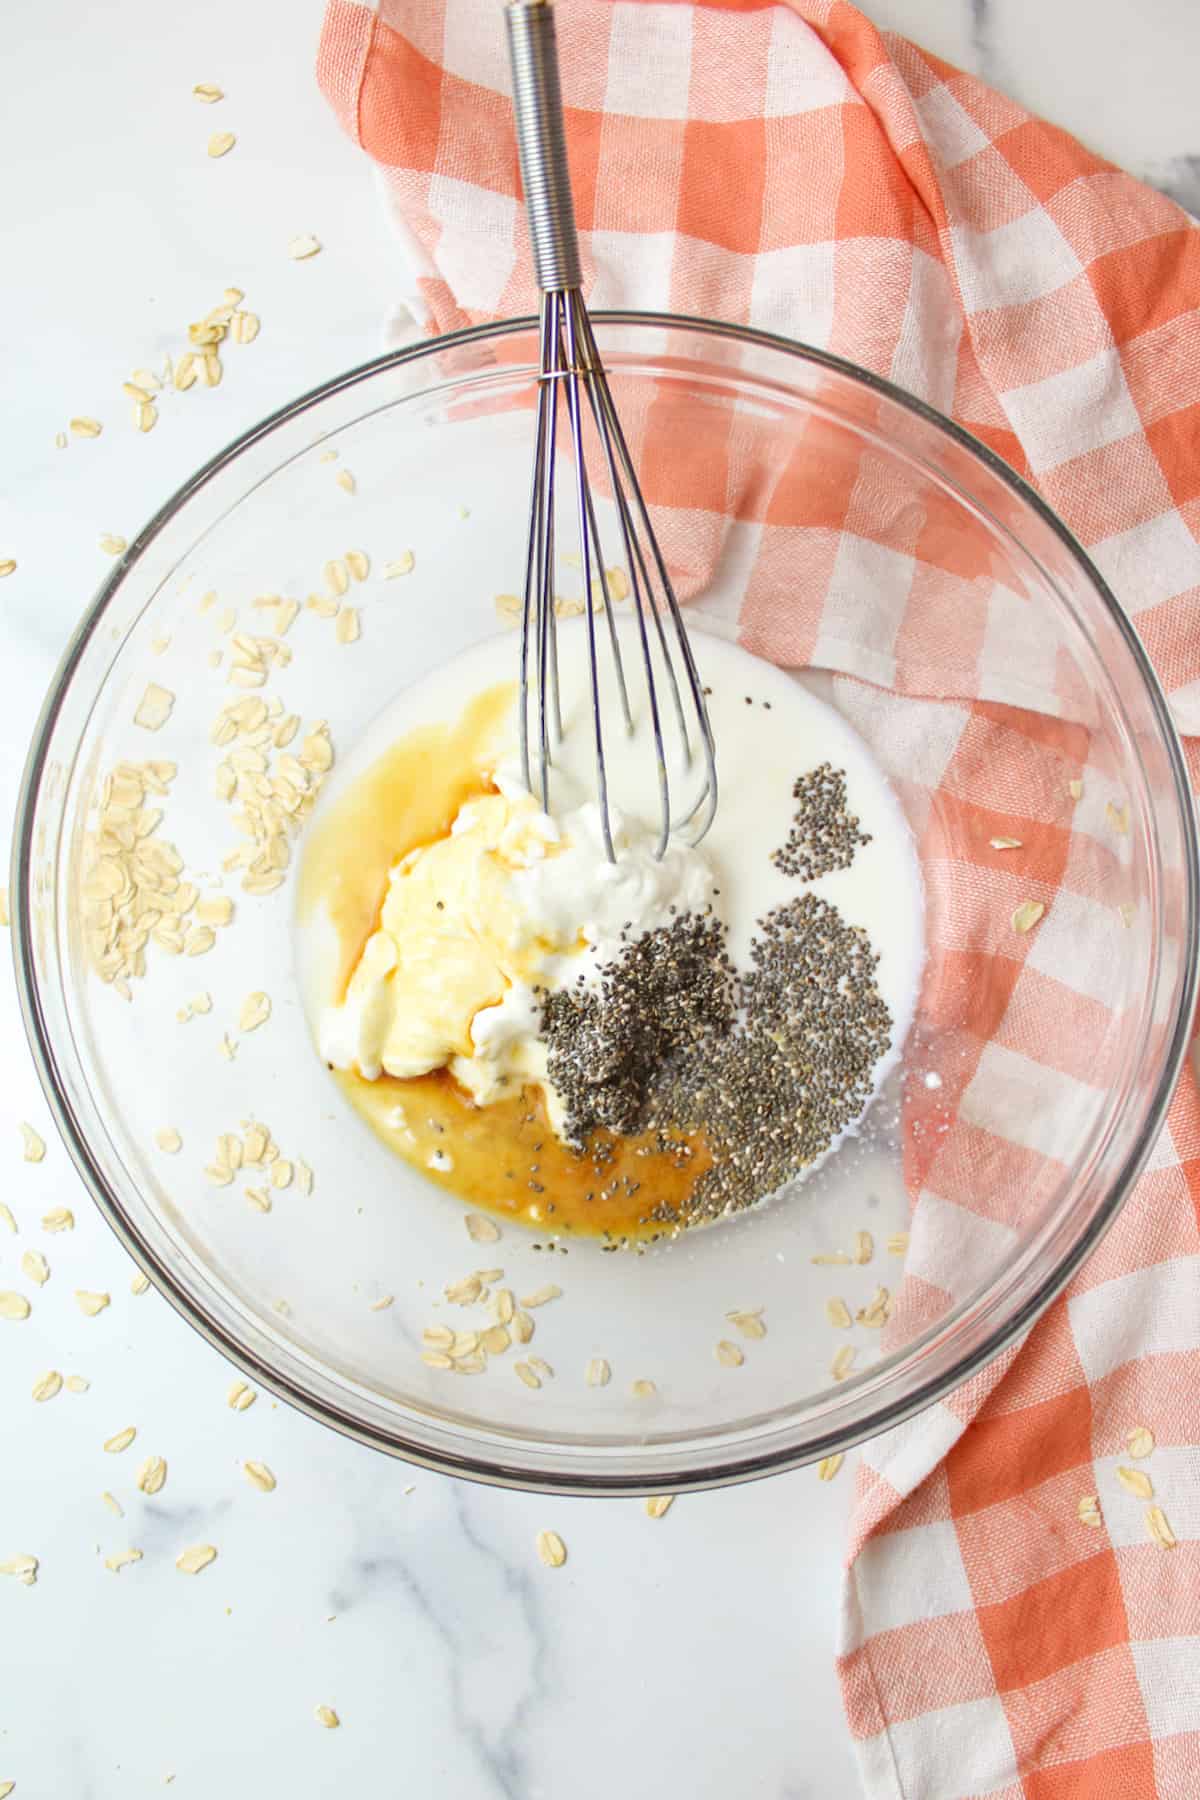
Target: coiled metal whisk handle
[{"x": 542, "y": 144}]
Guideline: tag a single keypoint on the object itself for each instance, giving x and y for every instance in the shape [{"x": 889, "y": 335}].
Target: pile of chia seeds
[
  {"x": 770, "y": 1065},
  {"x": 824, "y": 836},
  {"x": 667, "y": 993}
]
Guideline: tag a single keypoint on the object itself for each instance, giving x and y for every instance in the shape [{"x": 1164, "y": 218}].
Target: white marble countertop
[{"x": 414, "y": 1605}]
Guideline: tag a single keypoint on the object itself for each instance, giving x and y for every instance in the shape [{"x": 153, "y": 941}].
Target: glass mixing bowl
[{"x": 779, "y": 474}]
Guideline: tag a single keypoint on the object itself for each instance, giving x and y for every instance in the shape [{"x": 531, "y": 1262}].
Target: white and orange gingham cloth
[{"x": 787, "y": 167}]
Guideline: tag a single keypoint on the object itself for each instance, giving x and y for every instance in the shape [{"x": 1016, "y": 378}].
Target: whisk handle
[{"x": 542, "y": 144}]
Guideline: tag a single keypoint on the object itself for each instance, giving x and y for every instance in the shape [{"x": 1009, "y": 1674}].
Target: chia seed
[
  {"x": 769, "y": 1066},
  {"x": 824, "y": 836}
]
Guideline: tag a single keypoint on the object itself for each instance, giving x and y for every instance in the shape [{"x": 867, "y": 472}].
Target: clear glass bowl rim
[{"x": 493, "y": 1470}]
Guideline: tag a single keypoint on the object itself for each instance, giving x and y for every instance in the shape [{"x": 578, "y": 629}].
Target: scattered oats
[
  {"x": 834, "y": 1259},
  {"x": 642, "y": 1389},
  {"x": 1002, "y": 843},
  {"x": 382, "y": 1304},
  {"x": 139, "y": 1284},
  {"x": 160, "y": 645},
  {"x": 121, "y": 1440},
  {"x": 6, "y": 1788},
  {"x": 864, "y": 1247},
  {"x": 259, "y": 1476},
  {"x": 1118, "y": 817},
  {"x": 147, "y": 380},
  {"x": 221, "y": 143},
  {"x": 326, "y": 1716},
  {"x": 750, "y": 1324},
  {"x": 184, "y": 378},
  {"x": 60, "y": 443},
  {"x": 281, "y": 1173},
  {"x": 1136, "y": 1482},
  {"x": 86, "y": 428},
  {"x": 304, "y": 1178},
  {"x": 113, "y": 545},
  {"x": 522, "y": 1326},
  {"x": 195, "y": 1558},
  {"x": 113, "y": 1504},
  {"x": 240, "y": 1396},
  {"x": 597, "y": 1373},
  {"x": 169, "y": 1140},
  {"x": 464, "y": 1292},
  {"x": 151, "y": 1475},
  {"x": 8, "y": 567},
  {"x": 436, "y": 1359},
  {"x": 13, "y": 1306},
  {"x": 1089, "y": 1510},
  {"x": 347, "y": 630},
  {"x": 48, "y": 1385},
  {"x": 510, "y": 608},
  {"x": 323, "y": 607},
  {"x": 35, "y": 1267},
  {"x": 504, "y": 1304},
  {"x": 35, "y": 1146},
  {"x": 838, "y": 1313},
  {"x": 404, "y": 564},
  {"x": 301, "y": 248},
  {"x": 898, "y": 1244},
  {"x": 337, "y": 576},
  {"x": 121, "y": 1559},
  {"x": 77, "y": 1384},
  {"x": 146, "y": 415},
  {"x": 659, "y": 1505},
  {"x": 1140, "y": 1441},
  {"x": 212, "y": 369},
  {"x": 541, "y": 1367},
  {"x": 1075, "y": 789},
  {"x": 256, "y": 1010},
  {"x": 1160, "y": 1531},
  {"x": 495, "y": 1340},
  {"x": 154, "y": 707},
  {"x": 23, "y": 1566},
  {"x": 90, "y": 1304},
  {"x": 244, "y": 327},
  {"x": 549, "y": 1292},
  {"x": 437, "y": 1337},
  {"x": 551, "y": 1549},
  {"x": 482, "y": 1230},
  {"x": 843, "y": 1362},
  {"x": 828, "y": 1466},
  {"x": 202, "y": 1003},
  {"x": 6, "y": 1218},
  {"x": 1027, "y": 915},
  {"x": 199, "y": 941},
  {"x": 204, "y": 90},
  {"x": 877, "y": 1313},
  {"x": 259, "y": 1198},
  {"x": 729, "y": 1355},
  {"x": 227, "y": 1047},
  {"x": 529, "y": 1376},
  {"x": 346, "y": 481},
  {"x": 358, "y": 563},
  {"x": 217, "y": 910},
  {"x": 59, "y": 1218},
  {"x": 1128, "y": 913}
]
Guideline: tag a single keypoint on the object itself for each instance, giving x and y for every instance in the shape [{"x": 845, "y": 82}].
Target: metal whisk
[{"x": 571, "y": 371}]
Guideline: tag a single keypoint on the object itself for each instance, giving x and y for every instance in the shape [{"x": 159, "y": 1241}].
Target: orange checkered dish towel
[{"x": 789, "y": 168}]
